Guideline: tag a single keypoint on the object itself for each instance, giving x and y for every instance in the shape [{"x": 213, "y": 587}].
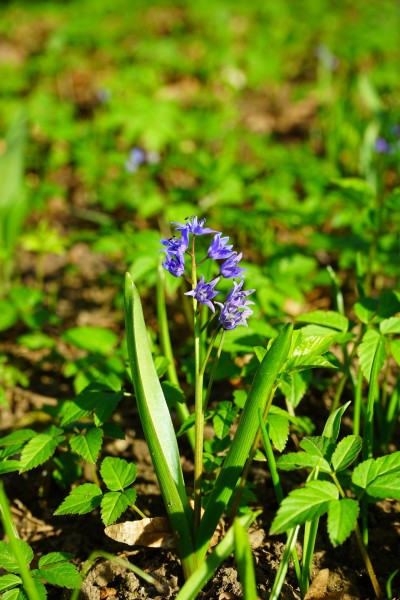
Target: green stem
[
  {"x": 284, "y": 564},
  {"x": 9, "y": 528},
  {"x": 214, "y": 367},
  {"x": 358, "y": 404}
]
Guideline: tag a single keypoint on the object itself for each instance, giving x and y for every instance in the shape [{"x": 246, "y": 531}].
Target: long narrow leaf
[
  {"x": 157, "y": 426},
  {"x": 264, "y": 380}
]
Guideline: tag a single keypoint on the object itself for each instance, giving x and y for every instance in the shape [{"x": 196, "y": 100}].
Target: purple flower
[
  {"x": 230, "y": 267},
  {"x": 174, "y": 263},
  {"x": 219, "y": 249},
  {"x": 174, "y": 245},
  {"x": 205, "y": 292},
  {"x": 236, "y": 296},
  {"x": 193, "y": 225},
  {"x": 136, "y": 158},
  {"x": 382, "y": 146},
  {"x": 231, "y": 316}
]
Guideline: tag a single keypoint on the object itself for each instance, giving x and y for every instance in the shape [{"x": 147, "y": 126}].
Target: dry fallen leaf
[{"x": 151, "y": 532}]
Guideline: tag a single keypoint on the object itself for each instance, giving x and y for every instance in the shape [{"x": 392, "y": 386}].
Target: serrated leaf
[
  {"x": 318, "y": 445},
  {"x": 40, "y": 448},
  {"x": 9, "y": 466},
  {"x": 81, "y": 500},
  {"x": 366, "y": 308},
  {"x": 395, "y": 350},
  {"x": 342, "y": 517},
  {"x": 17, "y": 437},
  {"x": 87, "y": 445},
  {"x": 7, "y": 557},
  {"x": 304, "y": 505},
  {"x": 53, "y": 557},
  {"x": 14, "y": 594},
  {"x": 224, "y": 418},
  {"x": 346, "y": 452},
  {"x": 63, "y": 574},
  {"x": 376, "y": 476},
  {"x": 98, "y": 398},
  {"x": 301, "y": 460},
  {"x": 113, "y": 504},
  {"x": 372, "y": 345},
  {"x": 391, "y": 325},
  {"x": 117, "y": 473},
  {"x": 278, "y": 429},
  {"x": 9, "y": 581},
  {"x": 327, "y": 318},
  {"x": 332, "y": 425},
  {"x": 40, "y": 588},
  {"x": 294, "y": 386},
  {"x": 306, "y": 352}
]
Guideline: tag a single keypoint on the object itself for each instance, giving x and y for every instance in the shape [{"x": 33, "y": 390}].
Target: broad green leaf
[
  {"x": 117, "y": 473},
  {"x": 332, "y": 425},
  {"x": 231, "y": 469},
  {"x": 113, "y": 504},
  {"x": 40, "y": 448},
  {"x": 244, "y": 561},
  {"x": 346, "y": 452},
  {"x": 366, "y": 308},
  {"x": 96, "y": 340},
  {"x": 391, "y": 325},
  {"x": 385, "y": 486},
  {"x": 39, "y": 585},
  {"x": 294, "y": 386},
  {"x": 52, "y": 558},
  {"x": 395, "y": 350},
  {"x": 354, "y": 184},
  {"x": 17, "y": 437},
  {"x": 173, "y": 393},
  {"x": 9, "y": 466},
  {"x": 81, "y": 500},
  {"x": 372, "y": 345},
  {"x": 9, "y": 581},
  {"x": 14, "y": 594},
  {"x": 87, "y": 445},
  {"x": 301, "y": 460},
  {"x": 327, "y": 318},
  {"x": 301, "y": 363},
  {"x": 8, "y": 315},
  {"x": 318, "y": 445},
  {"x": 63, "y": 574},
  {"x": 278, "y": 429},
  {"x": 7, "y": 557},
  {"x": 304, "y": 505},
  {"x": 157, "y": 426},
  {"x": 95, "y": 397},
  {"x": 367, "y": 475},
  {"x": 342, "y": 517},
  {"x": 224, "y": 418}
]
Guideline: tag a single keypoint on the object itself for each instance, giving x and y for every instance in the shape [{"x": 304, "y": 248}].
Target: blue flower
[
  {"x": 382, "y": 146},
  {"x": 218, "y": 249},
  {"x": 137, "y": 157},
  {"x": 193, "y": 225},
  {"x": 236, "y": 296},
  {"x": 205, "y": 292},
  {"x": 174, "y": 245},
  {"x": 174, "y": 263},
  {"x": 230, "y": 267},
  {"x": 235, "y": 310}
]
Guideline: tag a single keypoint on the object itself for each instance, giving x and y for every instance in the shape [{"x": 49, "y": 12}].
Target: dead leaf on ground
[{"x": 151, "y": 532}]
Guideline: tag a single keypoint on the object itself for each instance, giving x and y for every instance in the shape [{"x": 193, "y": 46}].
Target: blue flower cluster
[
  {"x": 235, "y": 310},
  {"x": 384, "y": 146}
]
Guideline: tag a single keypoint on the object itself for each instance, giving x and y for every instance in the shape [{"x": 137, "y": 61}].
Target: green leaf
[
  {"x": 372, "y": 345},
  {"x": 117, "y": 473},
  {"x": 306, "y": 351},
  {"x": 231, "y": 469},
  {"x": 278, "y": 429},
  {"x": 379, "y": 477},
  {"x": 391, "y": 325},
  {"x": 53, "y": 557},
  {"x": 304, "y": 505},
  {"x": 14, "y": 594},
  {"x": 346, "y": 452},
  {"x": 294, "y": 386},
  {"x": 301, "y": 460},
  {"x": 395, "y": 350},
  {"x": 9, "y": 581},
  {"x": 8, "y": 315},
  {"x": 327, "y": 318},
  {"x": 17, "y": 437},
  {"x": 87, "y": 445},
  {"x": 40, "y": 448},
  {"x": 39, "y": 585},
  {"x": 157, "y": 426},
  {"x": 224, "y": 418},
  {"x": 7, "y": 557},
  {"x": 9, "y": 466},
  {"x": 63, "y": 574},
  {"x": 332, "y": 425},
  {"x": 318, "y": 445},
  {"x": 244, "y": 561},
  {"x": 113, "y": 504},
  {"x": 366, "y": 308},
  {"x": 342, "y": 517},
  {"x": 96, "y": 340},
  {"x": 173, "y": 393},
  {"x": 81, "y": 500},
  {"x": 95, "y": 397}
]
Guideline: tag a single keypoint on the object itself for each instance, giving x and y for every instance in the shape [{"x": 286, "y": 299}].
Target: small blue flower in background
[
  {"x": 137, "y": 157},
  {"x": 103, "y": 95},
  {"x": 230, "y": 267},
  {"x": 205, "y": 292},
  {"x": 218, "y": 249},
  {"x": 382, "y": 146}
]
